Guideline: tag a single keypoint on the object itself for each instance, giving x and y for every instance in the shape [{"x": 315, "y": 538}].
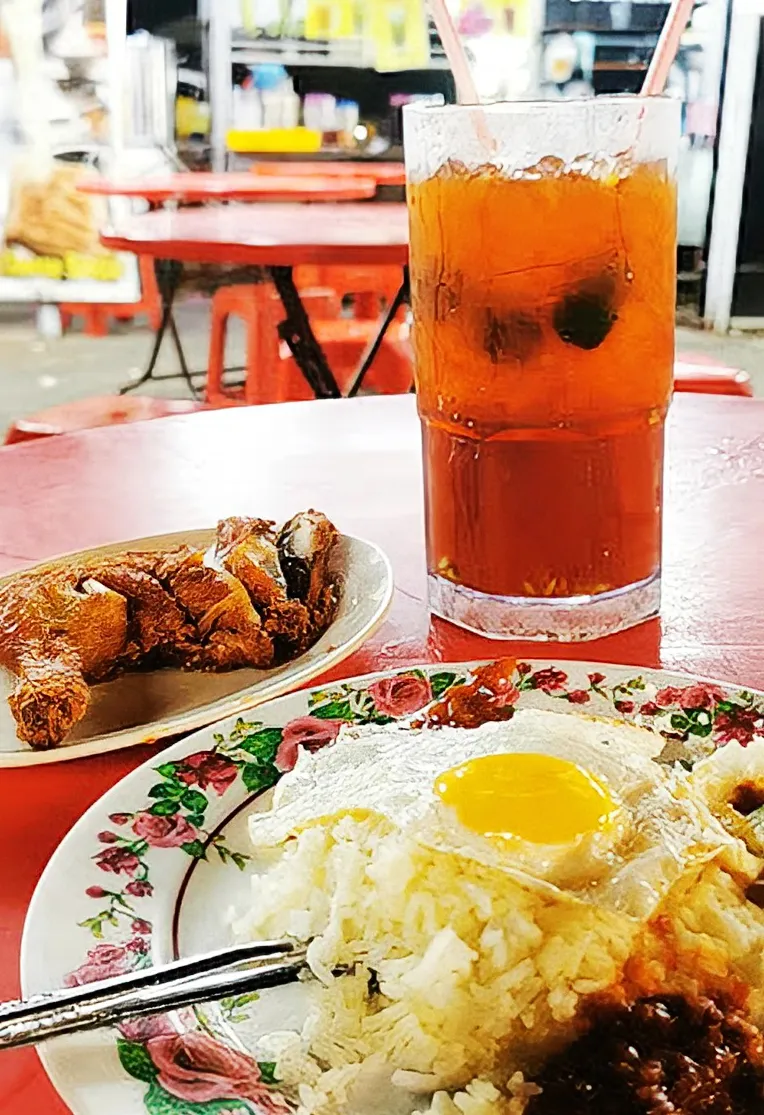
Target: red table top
[
  {"x": 385, "y": 174},
  {"x": 204, "y": 186},
  {"x": 285, "y": 235},
  {"x": 359, "y": 461}
]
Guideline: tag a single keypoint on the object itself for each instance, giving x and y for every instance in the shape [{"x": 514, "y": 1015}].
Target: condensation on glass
[{"x": 543, "y": 256}]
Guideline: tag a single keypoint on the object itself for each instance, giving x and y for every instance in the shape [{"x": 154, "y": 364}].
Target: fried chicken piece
[
  {"x": 230, "y": 631},
  {"x": 50, "y": 697},
  {"x": 247, "y": 549},
  {"x": 255, "y": 596},
  {"x": 306, "y": 546},
  {"x": 159, "y": 633},
  {"x": 60, "y": 630}
]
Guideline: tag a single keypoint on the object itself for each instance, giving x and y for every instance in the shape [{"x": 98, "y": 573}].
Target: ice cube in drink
[{"x": 544, "y": 335}]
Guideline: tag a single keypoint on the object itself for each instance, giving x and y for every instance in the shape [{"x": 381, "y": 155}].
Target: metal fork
[{"x": 200, "y": 979}]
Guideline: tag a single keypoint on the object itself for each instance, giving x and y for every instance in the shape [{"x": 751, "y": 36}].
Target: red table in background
[
  {"x": 208, "y": 187},
  {"x": 282, "y": 235},
  {"x": 360, "y": 462},
  {"x": 278, "y": 237},
  {"x": 385, "y": 174},
  {"x": 290, "y": 235},
  {"x": 204, "y": 186},
  {"x": 350, "y": 236}
]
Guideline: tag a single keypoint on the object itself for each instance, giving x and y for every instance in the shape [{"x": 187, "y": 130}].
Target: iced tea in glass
[{"x": 543, "y": 292}]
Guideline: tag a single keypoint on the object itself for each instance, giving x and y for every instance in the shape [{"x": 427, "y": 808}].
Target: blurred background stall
[{"x": 137, "y": 89}]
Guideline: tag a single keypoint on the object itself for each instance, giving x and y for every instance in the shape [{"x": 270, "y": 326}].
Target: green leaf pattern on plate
[
  {"x": 160, "y": 1102},
  {"x": 253, "y": 755}
]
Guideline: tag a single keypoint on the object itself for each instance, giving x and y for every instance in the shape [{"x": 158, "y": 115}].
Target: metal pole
[
  {"x": 733, "y": 153},
  {"x": 220, "y": 79},
  {"x": 116, "y": 38}
]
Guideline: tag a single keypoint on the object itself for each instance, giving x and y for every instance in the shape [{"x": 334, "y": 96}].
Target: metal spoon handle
[{"x": 29, "y": 1023}]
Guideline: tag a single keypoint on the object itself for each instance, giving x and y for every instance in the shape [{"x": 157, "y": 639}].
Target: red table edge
[
  {"x": 264, "y": 255},
  {"x": 26, "y": 1086},
  {"x": 330, "y": 190},
  {"x": 384, "y": 173}
]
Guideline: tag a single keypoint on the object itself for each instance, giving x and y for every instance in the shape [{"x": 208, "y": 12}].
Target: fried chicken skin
[
  {"x": 259, "y": 595},
  {"x": 248, "y": 549}
]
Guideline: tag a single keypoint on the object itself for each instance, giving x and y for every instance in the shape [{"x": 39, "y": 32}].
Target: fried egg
[
  {"x": 731, "y": 782},
  {"x": 716, "y": 777},
  {"x": 563, "y": 802},
  {"x": 541, "y": 799}
]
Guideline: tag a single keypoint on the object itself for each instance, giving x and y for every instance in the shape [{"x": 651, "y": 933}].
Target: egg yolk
[{"x": 539, "y": 798}]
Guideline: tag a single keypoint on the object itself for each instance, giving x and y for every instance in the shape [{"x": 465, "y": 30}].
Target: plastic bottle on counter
[
  {"x": 320, "y": 112},
  {"x": 290, "y": 107},
  {"x": 280, "y": 103},
  {"x": 247, "y": 108},
  {"x": 347, "y": 115}
]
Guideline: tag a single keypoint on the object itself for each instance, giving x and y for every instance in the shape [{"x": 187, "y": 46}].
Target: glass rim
[{"x": 535, "y": 104}]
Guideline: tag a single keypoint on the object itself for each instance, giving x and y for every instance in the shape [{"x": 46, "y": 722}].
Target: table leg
[
  {"x": 169, "y": 273},
  {"x": 368, "y": 357},
  {"x": 184, "y": 369},
  {"x": 297, "y": 332}
]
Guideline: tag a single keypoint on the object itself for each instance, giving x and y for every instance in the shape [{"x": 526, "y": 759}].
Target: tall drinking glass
[{"x": 543, "y": 249}]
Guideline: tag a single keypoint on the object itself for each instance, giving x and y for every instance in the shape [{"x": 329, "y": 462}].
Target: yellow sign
[
  {"x": 249, "y": 15},
  {"x": 397, "y": 33},
  {"x": 330, "y": 19},
  {"x": 507, "y": 16},
  {"x": 31, "y": 267},
  {"x": 104, "y": 269},
  {"x": 73, "y": 265},
  {"x": 274, "y": 17}
]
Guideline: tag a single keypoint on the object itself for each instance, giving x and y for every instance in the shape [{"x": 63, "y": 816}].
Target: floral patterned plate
[
  {"x": 149, "y": 872},
  {"x": 145, "y": 707}
]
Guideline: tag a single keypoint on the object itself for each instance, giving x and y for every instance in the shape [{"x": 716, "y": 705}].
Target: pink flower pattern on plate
[
  {"x": 206, "y": 768},
  {"x": 670, "y": 695},
  {"x": 139, "y": 888},
  {"x": 163, "y": 832},
  {"x": 307, "y": 731},
  {"x": 549, "y": 680},
  {"x": 401, "y": 695},
  {"x": 700, "y": 696},
  {"x": 120, "y": 861},
  {"x": 741, "y": 725},
  {"x": 141, "y": 1029},
  {"x": 102, "y": 962},
  {"x": 197, "y": 1068},
  {"x": 192, "y": 1066}
]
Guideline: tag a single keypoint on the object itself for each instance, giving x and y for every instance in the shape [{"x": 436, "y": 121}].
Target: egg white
[
  {"x": 660, "y": 831},
  {"x": 716, "y": 777},
  {"x": 714, "y": 781}
]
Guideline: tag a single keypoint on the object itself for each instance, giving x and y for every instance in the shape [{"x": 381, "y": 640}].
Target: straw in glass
[
  {"x": 668, "y": 44},
  {"x": 466, "y": 90}
]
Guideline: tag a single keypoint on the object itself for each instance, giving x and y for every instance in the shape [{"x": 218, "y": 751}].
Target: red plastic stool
[
  {"x": 344, "y": 343},
  {"x": 96, "y": 315},
  {"x": 369, "y": 286},
  {"x": 260, "y": 309},
  {"x": 710, "y": 379},
  {"x": 98, "y": 410}
]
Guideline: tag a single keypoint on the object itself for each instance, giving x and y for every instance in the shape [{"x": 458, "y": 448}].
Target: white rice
[
  {"x": 478, "y": 975},
  {"x": 470, "y": 964}
]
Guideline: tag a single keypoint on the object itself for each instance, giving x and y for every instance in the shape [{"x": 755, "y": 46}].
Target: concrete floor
[{"x": 37, "y": 373}]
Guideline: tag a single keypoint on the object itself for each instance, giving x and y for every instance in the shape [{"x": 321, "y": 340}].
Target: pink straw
[
  {"x": 668, "y": 44},
  {"x": 466, "y": 91}
]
